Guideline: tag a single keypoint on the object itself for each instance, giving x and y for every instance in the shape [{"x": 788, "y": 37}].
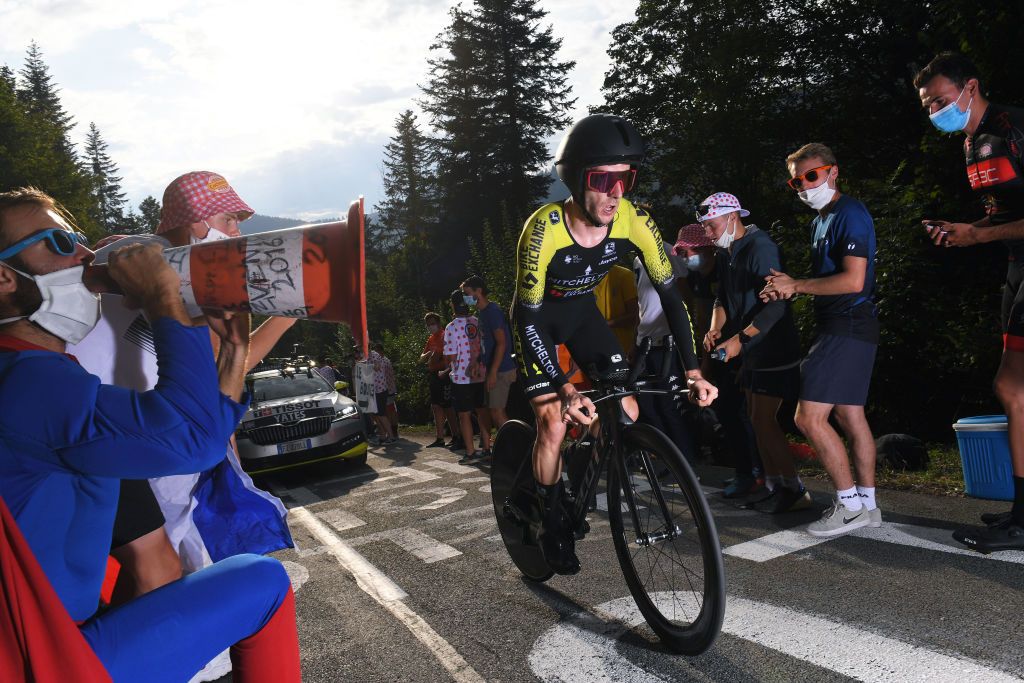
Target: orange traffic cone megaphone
[{"x": 311, "y": 271}]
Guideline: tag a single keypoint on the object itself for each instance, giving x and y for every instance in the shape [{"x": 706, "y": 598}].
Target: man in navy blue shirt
[
  {"x": 836, "y": 373},
  {"x": 497, "y": 353}
]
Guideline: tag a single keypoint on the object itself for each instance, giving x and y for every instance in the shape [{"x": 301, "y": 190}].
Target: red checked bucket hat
[
  {"x": 692, "y": 236},
  {"x": 196, "y": 196}
]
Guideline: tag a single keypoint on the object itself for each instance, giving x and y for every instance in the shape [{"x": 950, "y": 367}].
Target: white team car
[{"x": 296, "y": 418}]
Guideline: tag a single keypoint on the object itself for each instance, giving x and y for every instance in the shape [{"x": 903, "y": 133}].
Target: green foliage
[
  {"x": 403, "y": 347},
  {"x": 493, "y": 260},
  {"x": 35, "y": 149}
]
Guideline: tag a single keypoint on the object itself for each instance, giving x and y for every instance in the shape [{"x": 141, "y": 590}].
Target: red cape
[{"x": 38, "y": 639}]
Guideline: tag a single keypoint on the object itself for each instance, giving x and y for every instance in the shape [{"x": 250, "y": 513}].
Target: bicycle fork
[{"x": 670, "y": 530}]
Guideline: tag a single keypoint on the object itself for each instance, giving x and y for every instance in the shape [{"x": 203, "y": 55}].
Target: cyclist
[
  {"x": 950, "y": 91},
  {"x": 564, "y": 251}
]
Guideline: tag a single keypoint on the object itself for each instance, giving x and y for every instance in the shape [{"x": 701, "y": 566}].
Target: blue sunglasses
[{"x": 61, "y": 241}]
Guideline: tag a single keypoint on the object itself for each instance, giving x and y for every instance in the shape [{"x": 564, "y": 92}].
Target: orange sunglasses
[{"x": 797, "y": 182}]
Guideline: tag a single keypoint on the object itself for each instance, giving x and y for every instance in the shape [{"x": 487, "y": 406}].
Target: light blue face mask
[
  {"x": 470, "y": 300},
  {"x": 695, "y": 262},
  {"x": 950, "y": 119}
]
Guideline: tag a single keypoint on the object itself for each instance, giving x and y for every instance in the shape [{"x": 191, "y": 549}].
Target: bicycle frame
[{"x": 612, "y": 420}]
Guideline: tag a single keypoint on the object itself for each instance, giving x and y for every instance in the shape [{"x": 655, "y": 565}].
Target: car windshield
[{"x": 272, "y": 388}]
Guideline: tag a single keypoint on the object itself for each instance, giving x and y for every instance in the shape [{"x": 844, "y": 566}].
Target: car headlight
[{"x": 345, "y": 411}]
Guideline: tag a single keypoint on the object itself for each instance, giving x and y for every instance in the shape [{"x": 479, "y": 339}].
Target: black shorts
[
  {"x": 837, "y": 371},
  {"x": 382, "y": 403},
  {"x": 781, "y": 382},
  {"x": 468, "y": 397},
  {"x": 438, "y": 394},
  {"x": 1013, "y": 307},
  {"x": 138, "y": 513},
  {"x": 579, "y": 325}
]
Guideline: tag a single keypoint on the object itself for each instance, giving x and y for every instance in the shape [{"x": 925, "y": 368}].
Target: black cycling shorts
[
  {"x": 1013, "y": 307},
  {"x": 138, "y": 513},
  {"x": 438, "y": 394},
  {"x": 579, "y": 325}
]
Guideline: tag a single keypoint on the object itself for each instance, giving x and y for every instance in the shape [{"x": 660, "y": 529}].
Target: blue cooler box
[{"x": 985, "y": 456}]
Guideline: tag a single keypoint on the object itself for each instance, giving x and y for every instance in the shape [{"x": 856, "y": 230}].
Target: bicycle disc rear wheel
[
  {"x": 674, "y": 569},
  {"x": 514, "y": 496}
]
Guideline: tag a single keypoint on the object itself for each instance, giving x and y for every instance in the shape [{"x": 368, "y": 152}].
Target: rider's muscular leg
[
  {"x": 812, "y": 420},
  {"x": 862, "y": 442},
  {"x": 547, "y": 463}
]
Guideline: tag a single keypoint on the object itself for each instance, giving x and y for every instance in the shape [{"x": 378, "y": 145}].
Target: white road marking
[
  {"x": 473, "y": 480},
  {"x": 476, "y": 522},
  {"x": 413, "y": 541},
  {"x": 341, "y": 520},
  {"x": 451, "y": 467},
  {"x": 602, "y": 503},
  {"x": 389, "y": 596},
  {"x": 395, "y": 477},
  {"x": 589, "y": 642},
  {"x": 929, "y": 538},
  {"x": 443, "y": 496},
  {"x": 297, "y": 574},
  {"x": 773, "y": 545}
]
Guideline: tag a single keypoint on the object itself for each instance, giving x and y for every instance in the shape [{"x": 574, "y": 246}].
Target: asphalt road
[{"x": 401, "y": 576}]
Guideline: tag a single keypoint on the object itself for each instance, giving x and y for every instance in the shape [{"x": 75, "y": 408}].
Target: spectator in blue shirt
[
  {"x": 497, "y": 351},
  {"x": 836, "y": 374}
]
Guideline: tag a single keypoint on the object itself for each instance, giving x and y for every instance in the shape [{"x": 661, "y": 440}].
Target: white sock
[
  {"x": 867, "y": 497},
  {"x": 849, "y": 498},
  {"x": 773, "y": 481}
]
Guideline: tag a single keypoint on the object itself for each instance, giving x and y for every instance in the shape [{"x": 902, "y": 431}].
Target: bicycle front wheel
[{"x": 666, "y": 541}]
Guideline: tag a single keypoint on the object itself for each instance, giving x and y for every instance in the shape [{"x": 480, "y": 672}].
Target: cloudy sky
[{"x": 291, "y": 101}]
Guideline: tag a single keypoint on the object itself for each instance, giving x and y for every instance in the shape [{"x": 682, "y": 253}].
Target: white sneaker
[
  {"x": 875, "y": 518},
  {"x": 839, "y": 520}
]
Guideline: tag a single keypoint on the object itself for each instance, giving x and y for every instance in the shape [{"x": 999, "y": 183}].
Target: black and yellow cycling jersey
[{"x": 553, "y": 271}]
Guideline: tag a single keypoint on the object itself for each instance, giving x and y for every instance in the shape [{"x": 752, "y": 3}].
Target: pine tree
[
  {"x": 109, "y": 200},
  {"x": 495, "y": 94},
  {"x": 409, "y": 206},
  {"x": 453, "y": 100},
  {"x": 34, "y": 145},
  {"x": 525, "y": 88},
  {"x": 149, "y": 215},
  {"x": 7, "y": 78},
  {"x": 41, "y": 97}
]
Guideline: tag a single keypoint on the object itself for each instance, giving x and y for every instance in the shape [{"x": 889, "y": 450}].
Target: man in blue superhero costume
[{"x": 66, "y": 441}]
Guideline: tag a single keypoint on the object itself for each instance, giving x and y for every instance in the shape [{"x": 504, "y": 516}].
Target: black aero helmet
[{"x": 594, "y": 141}]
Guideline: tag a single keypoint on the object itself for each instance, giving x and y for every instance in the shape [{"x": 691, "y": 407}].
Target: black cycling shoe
[
  {"x": 559, "y": 550},
  {"x": 991, "y": 518},
  {"x": 1007, "y": 535}
]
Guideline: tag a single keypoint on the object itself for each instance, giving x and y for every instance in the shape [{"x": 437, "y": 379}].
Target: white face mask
[
  {"x": 727, "y": 238},
  {"x": 212, "y": 235},
  {"x": 69, "y": 311},
  {"x": 817, "y": 197}
]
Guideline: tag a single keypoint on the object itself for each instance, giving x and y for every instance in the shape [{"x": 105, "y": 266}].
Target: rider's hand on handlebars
[
  {"x": 702, "y": 392},
  {"x": 577, "y": 408}
]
